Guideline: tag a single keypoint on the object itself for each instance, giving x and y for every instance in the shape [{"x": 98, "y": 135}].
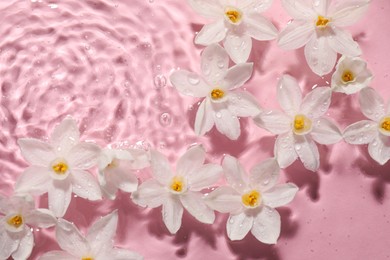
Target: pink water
[{"x": 106, "y": 63}]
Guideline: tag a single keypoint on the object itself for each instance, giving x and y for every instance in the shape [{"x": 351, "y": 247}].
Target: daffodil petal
[
  {"x": 189, "y": 83},
  {"x": 254, "y": 5},
  {"x": 379, "y": 149},
  {"x": 161, "y": 169},
  {"x": 295, "y": 35},
  {"x": 342, "y": 42},
  {"x": 122, "y": 178},
  {"x": 316, "y": 102},
  {"x": 102, "y": 231},
  {"x": 83, "y": 155},
  {"x": 33, "y": 180},
  {"x": 265, "y": 174},
  {"x": 191, "y": 161},
  {"x": 371, "y": 104},
  {"x": 206, "y": 8},
  {"x": 65, "y": 135},
  {"x": 320, "y": 57},
  {"x": 259, "y": 27},
  {"x": 234, "y": 173},
  {"x": 195, "y": 205},
  {"x": 42, "y": 218},
  {"x": 122, "y": 254},
  {"x": 149, "y": 194},
  {"x": 238, "y": 226},
  {"x": 225, "y": 200},
  {"x": 211, "y": 33},
  {"x": 58, "y": 255},
  {"x": 204, "y": 120},
  {"x": 141, "y": 158},
  {"x": 284, "y": 150},
  {"x": 8, "y": 245},
  {"x": 70, "y": 239},
  {"x": 172, "y": 213},
  {"x": 60, "y": 194},
  {"x": 85, "y": 185},
  {"x": 349, "y": 12},
  {"x": 307, "y": 151},
  {"x": 362, "y": 132},
  {"x": 227, "y": 123},
  {"x": 237, "y": 75},
  {"x": 266, "y": 226},
  {"x": 298, "y": 9},
  {"x": 321, "y": 6},
  {"x": 204, "y": 177},
  {"x": 273, "y": 121},
  {"x": 214, "y": 64},
  {"x": 325, "y": 131},
  {"x": 280, "y": 195},
  {"x": 36, "y": 152},
  {"x": 289, "y": 95},
  {"x": 25, "y": 246},
  {"x": 239, "y": 47},
  {"x": 243, "y": 104}
]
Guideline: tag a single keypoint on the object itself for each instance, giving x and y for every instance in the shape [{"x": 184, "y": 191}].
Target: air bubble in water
[
  {"x": 165, "y": 119},
  {"x": 160, "y": 81}
]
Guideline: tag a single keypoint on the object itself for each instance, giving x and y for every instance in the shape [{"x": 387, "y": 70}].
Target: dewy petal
[
  {"x": 307, "y": 151},
  {"x": 284, "y": 150},
  {"x": 172, "y": 213},
  {"x": 342, "y": 42},
  {"x": 321, "y": 6},
  {"x": 239, "y": 47},
  {"x": 123, "y": 179},
  {"x": 206, "y": 8},
  {"x": 266, "y": 226},
  {"x": 349, "y": 12},
  {"x": 122, "y": 254},
  {"x": 320, "y": 57},
  {"x": 58, "y": 255},
  {"x": 234, "y": 173},
  {"x": 243, "y": 104},
  {"x": 194, "y": 204},
  {"x": 42, "y": 218},
  {"x": 379, "y": 149},
  {"x": 316, "y": 102},
  {"x": 102, "y": 231},
  {"x": 238, "y": 226},
  {"x": 83, "y": 155},
  {"x": 371, "y": 104},
  {"x": 33, "y": 180},
  {"x": 204, "y": 177},
  {"x": 265, "y": 174},
  {"x": 295, "y": 35},
  {"x": 141, "y": 158},
  {"x": 237, "y": 75},
  {"x": 189, "y": 83},
  {"x": 325, "y": 131},
  {"x": 274, "y": 121},
  {"x": 254, "y": 5},
  {"x": 280, "y": 195},
  {"x": 65, "y": 135},
  {"x": 211, "y": 33},
  {"x": 259, "y": 27},
  {"x": 226, "y": 122},
  {"x": 8, "y": 245},
  {"x": 204, "y": 120},
  {"x": 214, "y": 64},
  {"x": 298, "y": 9},
  {"x": 36, "y": 152},
  {"x": 362, "y": 132},
  {"x": 25, "y": 246},
  {"x": 225, "y": 200},
  {"x": 161, "y": 169},
  {"x": 149, "y": 194},
  {"x": 60, "y": 194},
  {"x": 289, "y": 95},
  {"x": 85, "y": 185},
  {"x": 191, "y": 160},
  {"x": 70, "y": 239}
]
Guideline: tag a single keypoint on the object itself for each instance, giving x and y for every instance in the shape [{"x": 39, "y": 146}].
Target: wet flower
[
  {"x": 16, "y": 238},
  {"x": 116, "y": 170},
  {"x": 351, "y": 75},
  {"x": 175, "y": 191},
  {"x": 96, "y": 245},
  {"x": 58, "y": 167},
  {"x": 235, "y": 23},
  {"x": 223, "y": 104},
  {"x": 300, "y": 125},
  {"x": 374, "y": 132},
  {"x": 251, "y": 201},
  {"x": 318, "y": 26}
]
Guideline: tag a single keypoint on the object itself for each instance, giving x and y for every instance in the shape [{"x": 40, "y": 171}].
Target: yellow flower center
[
  {"x": 301, "y": 124},
  {"x": 177, "y": 184},
  {"x": 16, "y": 221},
  {"x": 233, "y": 15},
  {"x": 251, "y": 199},
  {"x": 87, "y": 258},
  {"x": 217, "y": 94},
  {"x": 386, "y": 124},
  {"x": 113, "y": 164},
  {"x": 347, "y": 76},
  {"x": 60, "y": 168},
  {"x": 322, "y": 22}
]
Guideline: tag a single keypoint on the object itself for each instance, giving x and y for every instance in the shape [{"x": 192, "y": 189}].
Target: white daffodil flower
[
  {"x": 223, "y": 104},
  {"x": 116, "y": 170},
  {"x": 16, "y": 238},
  {"x": 318, "y": 25},
  {"x": 374, "y": 132},
  {"x": 58, "y": 167},
  {"x": 175, "y": 191},
  {"x": 301, "y": 124},
  {"x": 351, "y": 75},
  {"x": 251, "y": 201},
  {"x": 235, "y": 22},
  {"x": 96, "y": 245}
]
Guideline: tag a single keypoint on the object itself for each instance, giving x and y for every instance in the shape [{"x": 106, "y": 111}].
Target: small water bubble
[
  {"x": 218, "y": 115},
  {"x": 160, "y": 81},
  {"x": 193, "y": 79},
  {"x": 165, "y": 119},
  {"x": 231, "y": 221}
]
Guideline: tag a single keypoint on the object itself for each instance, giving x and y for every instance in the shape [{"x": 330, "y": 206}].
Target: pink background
[{"x": 106, "y": 63}]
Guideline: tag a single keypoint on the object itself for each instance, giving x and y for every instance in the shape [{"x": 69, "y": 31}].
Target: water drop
[
  {"x": 160, "y": 81},
  {"x": 193, "y": 79},
  {"x": 165, "y": 119}
]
